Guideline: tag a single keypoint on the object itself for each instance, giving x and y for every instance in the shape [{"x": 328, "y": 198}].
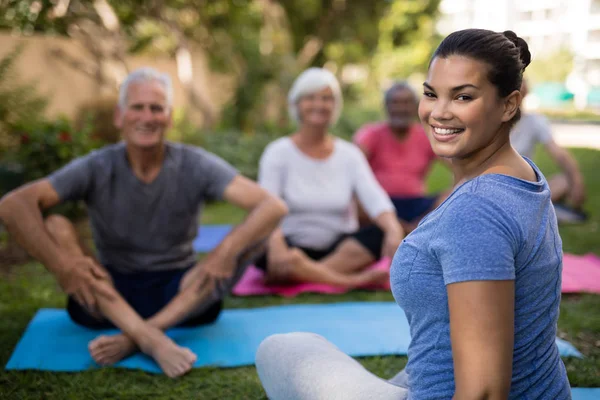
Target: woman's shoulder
[
  {"x": 282, "y": 145},
  {"x": 347, "y": 148}
]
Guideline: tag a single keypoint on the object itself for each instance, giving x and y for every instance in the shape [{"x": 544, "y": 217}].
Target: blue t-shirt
[{"x": 493, "y": 227}]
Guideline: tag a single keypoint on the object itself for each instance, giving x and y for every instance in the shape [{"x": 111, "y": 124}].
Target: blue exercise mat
[
  {"x": 52, "y": 342},
  {"x": 585, "y": 393},
  {"x": 209, "y": 236}
]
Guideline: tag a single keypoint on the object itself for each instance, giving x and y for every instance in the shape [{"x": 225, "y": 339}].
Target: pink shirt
[{"x": 400, "y": 166}]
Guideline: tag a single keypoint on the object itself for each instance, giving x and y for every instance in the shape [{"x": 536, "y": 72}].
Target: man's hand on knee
[
  {"x": 84, "y": 280},
  {"x": 211, "y": 272}
]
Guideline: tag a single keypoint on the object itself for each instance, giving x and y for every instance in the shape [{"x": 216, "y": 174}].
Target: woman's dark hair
[{"x": 506, "y": 54}]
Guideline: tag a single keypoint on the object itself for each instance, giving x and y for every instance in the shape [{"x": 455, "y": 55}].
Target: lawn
[{"x": 26, "y": 288}]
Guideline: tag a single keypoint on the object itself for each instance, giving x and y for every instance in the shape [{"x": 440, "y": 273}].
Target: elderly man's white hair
[
  {"x": 311, "y": 81},
  {"x": 146, "y": 74}
]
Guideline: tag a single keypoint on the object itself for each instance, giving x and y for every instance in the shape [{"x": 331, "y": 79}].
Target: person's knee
[
  {"x": 352, "y": 248},
  {"x": 268, "y": 349},
  {"x": 276, "y": 347},
  {"x": 281, "y": 363}
]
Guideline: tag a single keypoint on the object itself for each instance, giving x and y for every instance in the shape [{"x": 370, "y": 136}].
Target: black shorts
[
  {"x": 411, "y": 208},
  {"x": 370, "y": 237},
  {"x": 148, "y": 293}
]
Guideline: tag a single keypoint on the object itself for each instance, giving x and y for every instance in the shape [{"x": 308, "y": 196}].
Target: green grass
[{"x": 26, "y": 288}]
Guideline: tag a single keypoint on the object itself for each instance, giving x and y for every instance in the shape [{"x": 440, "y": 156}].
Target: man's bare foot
[
  {"x": 107, "y": 350},
  {"x": 174, "y": 360}
]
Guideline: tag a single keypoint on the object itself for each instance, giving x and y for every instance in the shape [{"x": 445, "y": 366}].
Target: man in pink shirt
[{"x": 400, "y": 155}]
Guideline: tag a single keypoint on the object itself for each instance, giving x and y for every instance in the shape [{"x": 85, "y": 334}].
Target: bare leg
[
  {"x": 559, "y": 187},
  {"x": 299, "y": 268},
  {"x": 350, "y": 256},
  {"x": 173, "y": 360},
  {"x": 111, "y": 349},
  {"x": 107, "y": 350}
]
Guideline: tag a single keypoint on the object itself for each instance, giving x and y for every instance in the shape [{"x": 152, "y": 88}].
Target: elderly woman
[{"x": 320, "y": 176}]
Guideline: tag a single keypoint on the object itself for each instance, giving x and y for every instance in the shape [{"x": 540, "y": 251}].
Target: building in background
[{"x": 547, "y": 26}]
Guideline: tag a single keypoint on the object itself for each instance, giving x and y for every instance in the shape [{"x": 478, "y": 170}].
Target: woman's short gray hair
[
  {"x": 311, "y": 81},
  {"x": 146, "y": 74}
]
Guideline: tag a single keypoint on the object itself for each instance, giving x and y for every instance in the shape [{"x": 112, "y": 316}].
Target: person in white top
[
  {"x": 533, "y": 129},
  {"x": 320, "y": 177}
]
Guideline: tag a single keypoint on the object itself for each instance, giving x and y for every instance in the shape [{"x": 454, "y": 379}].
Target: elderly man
[
  {"x": 400, "y": 155},
  {"x": 566, "y": 187},
  {"x": 144, "y": 196}
]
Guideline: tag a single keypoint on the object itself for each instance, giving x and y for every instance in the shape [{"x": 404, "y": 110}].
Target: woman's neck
[
  {"x": 490, "y": 159},
  {"x": 311, "y": 137},
  {"x": 315, "y": 143}
]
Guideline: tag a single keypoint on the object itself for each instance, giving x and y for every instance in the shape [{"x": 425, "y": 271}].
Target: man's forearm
[
  {"x": 259, "y": 224},
  {"x": 24, "y": 222}
]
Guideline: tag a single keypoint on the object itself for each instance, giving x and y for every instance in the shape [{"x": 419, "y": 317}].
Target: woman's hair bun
[{"x": 521, "y": 44}]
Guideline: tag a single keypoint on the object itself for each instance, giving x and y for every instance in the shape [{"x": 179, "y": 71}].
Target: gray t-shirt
[
  {"x": 138, "y": 226},
  {"x": 528, "y": 132}
]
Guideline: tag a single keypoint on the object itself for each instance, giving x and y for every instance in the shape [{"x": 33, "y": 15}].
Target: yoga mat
[
  {"x": 52, "y": 342},
  {"x": 209, "y": 236},
  {"x": 253, "y": 284},
  {"x": 581, "y": 273},
  {"x": 585, "y": 393}
]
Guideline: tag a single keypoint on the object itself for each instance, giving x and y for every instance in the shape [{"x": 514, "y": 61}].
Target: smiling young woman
[{"x": 479, "y": 279}]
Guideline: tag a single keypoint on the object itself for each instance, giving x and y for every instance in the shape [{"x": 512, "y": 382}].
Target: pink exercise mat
[
  {"x": 252, "y": 284},
  {"x": 580, "y": 274}
]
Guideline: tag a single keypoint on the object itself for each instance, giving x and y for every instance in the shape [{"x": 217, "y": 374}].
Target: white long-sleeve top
[{"x": 320, "y": 193}]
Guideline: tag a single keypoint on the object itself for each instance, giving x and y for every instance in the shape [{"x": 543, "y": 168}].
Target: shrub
[
  {"x": 100, "y": 114},
  {"x": 50, "y": 146},
  {"x": 352, "y": 118},
  {"x": 243, "y": 151}
]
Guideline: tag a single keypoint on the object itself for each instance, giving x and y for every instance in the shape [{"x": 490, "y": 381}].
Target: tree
[
  {"x": 263, "y": 44},
  {"x": 93, "y": 23},
  {"x": 561, "y": 61},
  {"x": 407, "y": 39}
]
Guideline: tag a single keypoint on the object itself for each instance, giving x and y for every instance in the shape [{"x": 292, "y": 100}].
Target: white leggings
[{"x": 305, "y": 366}]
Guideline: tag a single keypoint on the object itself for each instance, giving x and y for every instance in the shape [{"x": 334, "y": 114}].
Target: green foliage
[
  {"x": 26, "y": 17},
  {"x": 552, "y": 67},
  {"x": 353, "y": 118},
  {"x": 263, "y": 45},
  {"x": 184, "y": 130},
  {"x": 407, "y": 39},
  {"x": 347, "y": 28},
  {"x": 98, "y": 116},
  {"x": 20, "y": 104},
  {"x": 52, "y": 145},
  {"x": 242, "y": 151}
]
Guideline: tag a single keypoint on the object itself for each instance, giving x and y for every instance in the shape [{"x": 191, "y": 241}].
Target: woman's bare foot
[
  {"x": 174, "y": 360},
  {"x": 107, "y": 350}
]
